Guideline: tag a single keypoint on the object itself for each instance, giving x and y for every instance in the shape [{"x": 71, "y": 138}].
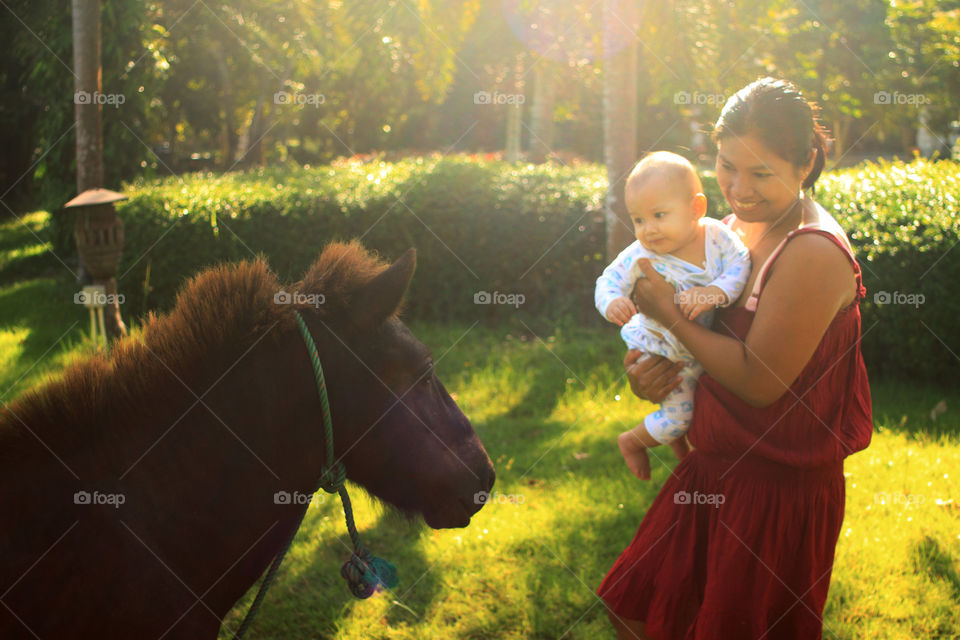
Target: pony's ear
[{"x": 380, "y": 297}]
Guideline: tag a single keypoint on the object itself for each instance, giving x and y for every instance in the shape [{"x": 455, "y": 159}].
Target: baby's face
[{"x": 665, "y": 217}]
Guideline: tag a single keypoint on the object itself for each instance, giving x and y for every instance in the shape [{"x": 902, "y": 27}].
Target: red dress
[{"x": 739, "y": 543}]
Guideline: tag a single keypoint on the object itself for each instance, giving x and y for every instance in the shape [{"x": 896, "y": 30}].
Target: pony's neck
[{"x": 213, "y": 479}]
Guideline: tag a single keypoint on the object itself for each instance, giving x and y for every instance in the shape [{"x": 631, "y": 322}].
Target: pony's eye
[{"x": 428, "y": 373}]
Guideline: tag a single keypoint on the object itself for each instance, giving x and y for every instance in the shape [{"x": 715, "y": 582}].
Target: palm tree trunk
[
  {"x": 619, "y": 120},
  {"x": 515, "y": 114},
  {"x": 541, "y": 125},
  {"x": 87, "y": 114},
  {"x": 87, "y": 110}
]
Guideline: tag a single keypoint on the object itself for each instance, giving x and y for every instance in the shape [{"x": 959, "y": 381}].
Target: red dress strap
[{"x": 761, "y": 280}]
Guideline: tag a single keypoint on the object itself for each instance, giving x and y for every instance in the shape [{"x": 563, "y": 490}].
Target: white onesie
[{"x": 727, "y": 267}]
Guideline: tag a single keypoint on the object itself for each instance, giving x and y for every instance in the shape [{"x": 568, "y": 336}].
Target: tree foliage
[{"x": 201, "y": 79}]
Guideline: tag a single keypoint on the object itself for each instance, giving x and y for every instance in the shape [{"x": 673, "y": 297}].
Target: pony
[{"x": 139, "y": 492}]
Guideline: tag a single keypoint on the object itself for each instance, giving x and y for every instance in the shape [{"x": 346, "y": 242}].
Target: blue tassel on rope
[{"x": 367, "y": 574}]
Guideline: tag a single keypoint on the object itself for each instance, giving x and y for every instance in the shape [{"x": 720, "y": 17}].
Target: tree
[
  {"x": 926, "y": 36},
  {"x": 89, "y": 131},
  {"x": 620, "y": 20},
  {"x": 541, "y": 118},
  {"x": 86, "y": 63}
]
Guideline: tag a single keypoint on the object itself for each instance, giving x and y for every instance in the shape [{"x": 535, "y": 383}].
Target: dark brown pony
[{"x": 138, "y": 495}]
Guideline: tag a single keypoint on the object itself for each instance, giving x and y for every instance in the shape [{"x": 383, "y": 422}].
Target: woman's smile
[{"x": 746, "y": 206}]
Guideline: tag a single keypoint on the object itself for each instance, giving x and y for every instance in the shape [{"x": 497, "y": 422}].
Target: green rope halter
[{"x": 363, "y": 571}]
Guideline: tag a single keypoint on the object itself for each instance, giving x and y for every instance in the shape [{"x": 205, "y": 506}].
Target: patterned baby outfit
[{"x": 727, "y": 267}]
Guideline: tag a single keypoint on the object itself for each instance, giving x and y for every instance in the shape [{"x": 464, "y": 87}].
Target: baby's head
[{"x": 665, "y": 200}]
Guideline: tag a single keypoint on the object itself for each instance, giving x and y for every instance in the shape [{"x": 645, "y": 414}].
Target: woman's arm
[{"x": 812, "y": 280}]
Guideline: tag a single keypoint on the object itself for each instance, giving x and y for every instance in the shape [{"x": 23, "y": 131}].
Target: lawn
[{"x": 548, "y": 402}]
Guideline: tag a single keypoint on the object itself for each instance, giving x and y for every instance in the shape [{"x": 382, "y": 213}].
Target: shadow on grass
[
  {"x": 937, "y": 564},
  {"x": 37, "y": 265},
  {"x": 24, "y": 252},
  {"x": 914, "y": 408},
  {"x": 548, "y": 386},
  {"x": 31, "y": 305},
  {"x": 309, "y": 598},
  {"x": 553, "y": 361}
]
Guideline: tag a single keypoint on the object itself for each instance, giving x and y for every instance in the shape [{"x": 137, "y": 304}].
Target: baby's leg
[
  {"x": 633, "y": 445},
  {"x": 634, "y": 442},
  {"x": 672, "y": 420},
  {"x": 665, "y": 425}
]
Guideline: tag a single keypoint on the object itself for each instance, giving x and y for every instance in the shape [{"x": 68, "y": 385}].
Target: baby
[{"x": 705, "y": 261}]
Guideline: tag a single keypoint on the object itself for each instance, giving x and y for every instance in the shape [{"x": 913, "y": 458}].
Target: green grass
[
  {"x": 40, "y": 327},
  {"x": 548, "y": 403}
]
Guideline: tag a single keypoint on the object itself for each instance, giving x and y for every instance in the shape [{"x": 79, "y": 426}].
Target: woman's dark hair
[{"x": 786, "y": 122}]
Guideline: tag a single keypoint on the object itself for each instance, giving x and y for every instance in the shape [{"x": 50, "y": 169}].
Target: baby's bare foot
[{"x": 634, "y": 454}]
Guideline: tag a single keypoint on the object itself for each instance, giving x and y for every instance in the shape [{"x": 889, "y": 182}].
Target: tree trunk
[
  {"x": 87, "y": 113},
  {"x": 541, "y": 125},
  {"x": 228, "y": 141},
  {"x": 251, "y": 145},
  {"x": 841, "y": 135},
  {"x": 87, "y": 108},
  {"x": 619, "y": 121},
  {"x": 515, "y": 114},
  {"x": 251, "y": 150}
]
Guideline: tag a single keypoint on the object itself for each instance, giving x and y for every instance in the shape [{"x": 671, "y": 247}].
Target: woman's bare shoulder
[
  {"x": 819, "y": 218},
  {"x": 813, "y": 262},
  {"x": 816, "y": 248}
]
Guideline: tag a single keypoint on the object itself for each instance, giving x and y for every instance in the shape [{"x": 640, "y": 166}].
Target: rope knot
[
  {"x": 333, "y": 477},
  {"x": 366, "y": 573}
]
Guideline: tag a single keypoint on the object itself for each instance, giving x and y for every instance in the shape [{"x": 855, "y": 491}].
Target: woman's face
[{"x": 759, "y": 185}]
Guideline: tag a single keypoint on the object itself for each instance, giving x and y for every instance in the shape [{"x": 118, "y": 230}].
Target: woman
[{"x": 740, "y": 541}]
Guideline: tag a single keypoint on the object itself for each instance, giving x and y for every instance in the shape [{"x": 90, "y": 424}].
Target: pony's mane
[{"x": 219, "y": 315}]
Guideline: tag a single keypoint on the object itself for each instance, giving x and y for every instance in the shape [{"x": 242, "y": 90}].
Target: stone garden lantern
[{"x": 99, "y": 236}]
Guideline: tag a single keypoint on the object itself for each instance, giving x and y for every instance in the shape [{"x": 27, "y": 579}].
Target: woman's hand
[
  {"x": 652, "y": 377},
  {"x": 697, "y": 300},
  {"x": 654, "y": 297}
]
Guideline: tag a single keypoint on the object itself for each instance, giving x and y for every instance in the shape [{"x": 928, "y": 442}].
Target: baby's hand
[
  {"x": 696, "y": 300},
  {"x": 621, "y": 310}
]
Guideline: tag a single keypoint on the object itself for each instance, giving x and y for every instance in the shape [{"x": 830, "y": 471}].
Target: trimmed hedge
[
  {"x": 903, "y": 222},
  {"x": 481, "y": 225},
  {"x": 478, "y": 226}
]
